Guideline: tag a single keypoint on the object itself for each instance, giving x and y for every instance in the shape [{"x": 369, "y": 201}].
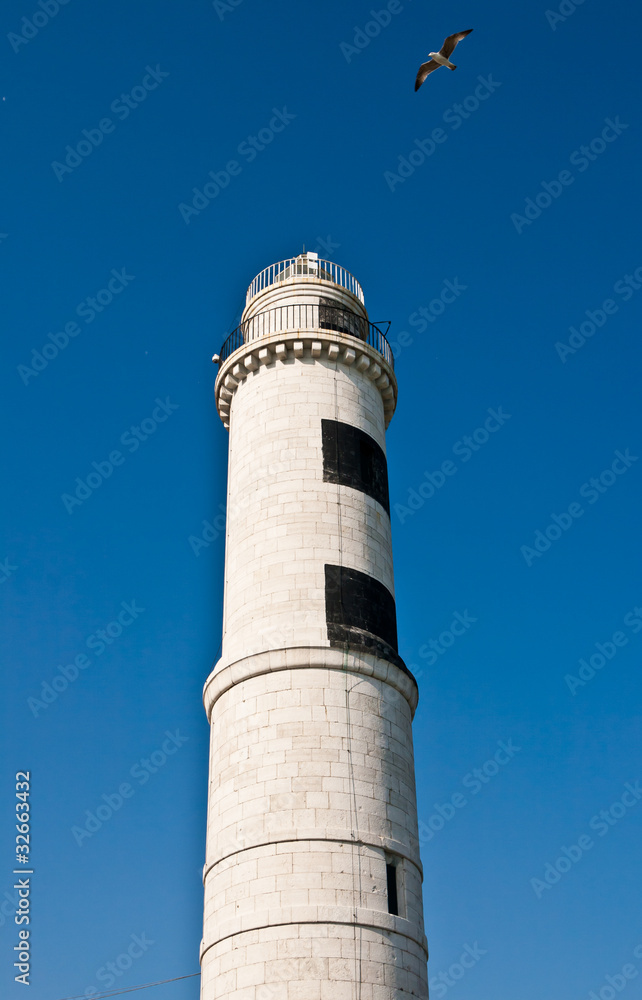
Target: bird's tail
[{"x": 453, "y": 67}]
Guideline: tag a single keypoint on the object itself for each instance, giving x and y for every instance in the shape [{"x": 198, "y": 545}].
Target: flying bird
[{"x": 440, "y": 58}]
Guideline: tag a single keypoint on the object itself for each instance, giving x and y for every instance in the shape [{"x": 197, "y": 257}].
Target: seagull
[{"x": 440, "y": 58}]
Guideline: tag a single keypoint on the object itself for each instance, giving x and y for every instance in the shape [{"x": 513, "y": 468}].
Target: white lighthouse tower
[{"x": 312, "y": 874}]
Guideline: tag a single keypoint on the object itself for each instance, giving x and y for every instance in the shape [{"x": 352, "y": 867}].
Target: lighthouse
[{"x": 312, "y": 874}]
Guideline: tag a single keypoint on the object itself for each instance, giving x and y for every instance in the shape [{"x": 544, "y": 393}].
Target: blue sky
[{"x": 537, "y": 236}]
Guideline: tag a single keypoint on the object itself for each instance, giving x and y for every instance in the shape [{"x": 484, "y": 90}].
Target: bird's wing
[
  {"x": 449, "y": 43},
  {"x": 424, "y": 70}
]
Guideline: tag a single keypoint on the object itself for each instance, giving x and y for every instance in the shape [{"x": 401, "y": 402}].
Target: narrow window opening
[{"x": 393, "y": 903}]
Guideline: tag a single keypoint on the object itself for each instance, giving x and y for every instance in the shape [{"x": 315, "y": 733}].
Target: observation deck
[
  {"x": 307, "y": 314},
  {"x": 304, "y": 307}
]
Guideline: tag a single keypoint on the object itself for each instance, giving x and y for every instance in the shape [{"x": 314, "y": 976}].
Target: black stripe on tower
[
  {"x": 361, "y": 614},
  {"x": 352, "y": 458}
]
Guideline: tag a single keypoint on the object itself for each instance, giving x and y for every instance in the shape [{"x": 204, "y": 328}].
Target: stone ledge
[
  {"x": 298, "y": 345},
  {"x": 225, "y": 675},
  {"x": 374, "y": 920},
  {"x": 325, "y": 835}
]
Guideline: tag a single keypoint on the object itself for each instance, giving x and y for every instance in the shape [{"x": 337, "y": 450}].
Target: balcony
[{"x": 306, "y": 317}]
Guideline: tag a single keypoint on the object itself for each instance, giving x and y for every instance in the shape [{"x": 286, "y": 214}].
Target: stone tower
[{"x": 312, "y": 874}]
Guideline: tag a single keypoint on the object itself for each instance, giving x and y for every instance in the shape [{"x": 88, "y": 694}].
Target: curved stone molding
[
  {"x": 325, "y": 835},
  {"x": 285, "y": 916},
  {"x": 226, "y": 675},
  {"x": 323, "y": 346}
]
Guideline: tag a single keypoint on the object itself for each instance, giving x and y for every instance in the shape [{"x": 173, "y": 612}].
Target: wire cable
[{"x": 130, "y": 989}]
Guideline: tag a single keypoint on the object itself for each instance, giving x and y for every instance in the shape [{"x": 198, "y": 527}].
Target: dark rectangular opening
[
  {"x": 393, "y": 902},
  {"x": 333, "y": 316}
]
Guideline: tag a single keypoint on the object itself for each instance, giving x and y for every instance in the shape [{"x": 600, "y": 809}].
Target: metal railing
[
  {"x": 306, "y": 316},
  {"x": 305, "y": 264}
]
